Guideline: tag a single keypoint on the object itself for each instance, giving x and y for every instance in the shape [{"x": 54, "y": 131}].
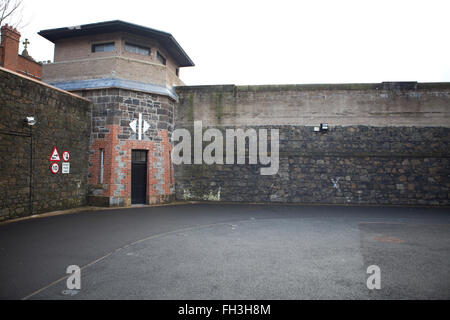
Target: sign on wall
[
  {"x": 55, "y": 168},
  {"x": 139, "y": 126},
  {"x": 55, "y": 155},
  {"x": 66, "y": 156},
  {"x": 66, "y": 168}
]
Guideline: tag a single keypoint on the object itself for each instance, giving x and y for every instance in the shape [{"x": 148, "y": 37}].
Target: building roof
[
  {"x": 166, "y": 39},
  {"x": 104, "y": 83}
]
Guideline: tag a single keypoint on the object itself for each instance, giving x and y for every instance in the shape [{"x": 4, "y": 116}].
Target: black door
[{"x": 139, "y": 177}]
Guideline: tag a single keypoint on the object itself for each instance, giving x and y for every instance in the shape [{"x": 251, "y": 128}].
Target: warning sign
[
  {"x": 55, "y": 168},
  {"x": 55, "y": 155},
  {"x": 66, "y": 156}
]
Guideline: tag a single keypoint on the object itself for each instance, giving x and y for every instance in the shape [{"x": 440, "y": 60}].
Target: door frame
[{"x": 139, "y": 157}]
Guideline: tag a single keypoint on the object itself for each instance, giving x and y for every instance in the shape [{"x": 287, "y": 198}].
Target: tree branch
[{"x": 11, "y": 9}]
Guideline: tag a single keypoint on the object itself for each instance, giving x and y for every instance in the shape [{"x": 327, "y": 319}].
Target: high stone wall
[
  {"x": 386, "y": 144},
  {"x": 63, "y": 120}
]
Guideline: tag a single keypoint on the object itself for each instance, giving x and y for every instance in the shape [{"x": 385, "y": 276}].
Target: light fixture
[
  {"x": 322, "y": 128},
  {"x": 31, "y": 121}
]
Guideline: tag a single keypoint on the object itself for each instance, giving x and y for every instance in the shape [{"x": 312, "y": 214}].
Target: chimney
[{"x": 10, "y": 42}]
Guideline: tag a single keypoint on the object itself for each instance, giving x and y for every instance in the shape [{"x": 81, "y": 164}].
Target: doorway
[{"x": 138, "y": 176}]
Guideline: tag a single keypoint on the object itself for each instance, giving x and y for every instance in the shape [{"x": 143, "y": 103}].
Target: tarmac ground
[{"x": 229, "y": 251}]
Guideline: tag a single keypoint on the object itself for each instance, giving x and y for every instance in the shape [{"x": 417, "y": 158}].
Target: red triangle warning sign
[{"x": 55, "y": 155}]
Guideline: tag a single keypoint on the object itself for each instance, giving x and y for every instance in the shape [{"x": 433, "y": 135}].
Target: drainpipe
[{"x": 31, "y": 171}]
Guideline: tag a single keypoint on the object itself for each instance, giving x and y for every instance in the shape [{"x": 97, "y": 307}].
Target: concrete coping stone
[{"x": 403, "y": 86}]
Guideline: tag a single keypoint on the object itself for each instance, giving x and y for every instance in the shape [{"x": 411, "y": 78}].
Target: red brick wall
[
  {"x": 10, "y": 42},
  {"x": 10, "y": 59},
  {"x": 117, "y": 166},
  {"x": 29, "y": 68}
]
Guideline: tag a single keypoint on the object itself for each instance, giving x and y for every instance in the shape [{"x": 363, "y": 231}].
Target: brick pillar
[{"x": 10, "y": 43}]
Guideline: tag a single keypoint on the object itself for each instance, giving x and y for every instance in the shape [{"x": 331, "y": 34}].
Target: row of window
[
  {"x": 137, "y": 49},
  {"x": 109, "y": 47}
]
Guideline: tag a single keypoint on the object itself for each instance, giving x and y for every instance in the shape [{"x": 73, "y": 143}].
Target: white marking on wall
[
  {"x": 139, "y": 126},
  {"x": 336, "y": 183}
]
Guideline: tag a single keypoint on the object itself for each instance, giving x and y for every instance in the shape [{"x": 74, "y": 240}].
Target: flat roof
[
  {"x": 166, "y": 39},
  {"x": 106, "y": 83}
]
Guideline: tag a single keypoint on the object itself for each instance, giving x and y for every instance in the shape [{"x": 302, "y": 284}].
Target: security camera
[{"x": 31, "y": 121}]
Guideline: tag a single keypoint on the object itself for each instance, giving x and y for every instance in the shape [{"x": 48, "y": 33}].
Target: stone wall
[
  {"x": 63, "y": 120},
  {"x": 386, "y": 144}
]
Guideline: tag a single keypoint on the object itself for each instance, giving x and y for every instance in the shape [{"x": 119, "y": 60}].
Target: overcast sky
[{"x": 276, "y": 42}]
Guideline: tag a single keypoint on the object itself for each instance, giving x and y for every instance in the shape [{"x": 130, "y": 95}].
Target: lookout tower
[{"x": 129, "y": 73}]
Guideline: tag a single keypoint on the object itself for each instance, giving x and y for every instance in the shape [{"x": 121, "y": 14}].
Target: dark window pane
[
  {"x": 137, "y": 49},
  {"x": 139, "y": 155},
  {"x": 104, "y": 47},
  {"x": 161, "y": 58}
]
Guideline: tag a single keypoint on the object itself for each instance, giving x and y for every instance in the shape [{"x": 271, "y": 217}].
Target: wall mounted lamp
[
  {"x": 322, "y": 128},
  {"x": 31, "y": 121}
]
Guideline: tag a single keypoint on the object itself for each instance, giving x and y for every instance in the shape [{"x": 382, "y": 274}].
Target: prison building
[{"x": 129, "y": 73}]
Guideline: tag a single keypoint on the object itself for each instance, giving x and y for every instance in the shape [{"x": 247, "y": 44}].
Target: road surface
[{"x": 230, "y": 251}]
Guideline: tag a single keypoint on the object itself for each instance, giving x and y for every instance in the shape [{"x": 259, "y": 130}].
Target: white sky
[{"x": 276, "y": 42}]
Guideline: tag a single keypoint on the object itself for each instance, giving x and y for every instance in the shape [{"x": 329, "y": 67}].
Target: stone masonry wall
[
  {"x": 62, "y": 121},
  {"x": 384, "y": 146},
  {"x": 113, "y": 110}
]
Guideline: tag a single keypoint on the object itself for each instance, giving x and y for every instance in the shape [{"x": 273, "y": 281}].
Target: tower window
[
  {"x": 161, "y": 58},
  {"x": 104, "y": 47},
  {"x": 137, "y": 49}
]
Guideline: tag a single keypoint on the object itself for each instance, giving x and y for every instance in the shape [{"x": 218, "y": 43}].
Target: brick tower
[
  {"x": 10, "y": 57},
  {"x": 129, "y": 73}
]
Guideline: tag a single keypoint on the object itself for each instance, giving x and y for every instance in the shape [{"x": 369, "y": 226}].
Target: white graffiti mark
[{"x": 336, "y": 183}]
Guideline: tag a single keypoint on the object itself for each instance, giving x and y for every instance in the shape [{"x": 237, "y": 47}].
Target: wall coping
[
  {"x": 43, "y": 84},
  {"x": 404, "y": 86}
]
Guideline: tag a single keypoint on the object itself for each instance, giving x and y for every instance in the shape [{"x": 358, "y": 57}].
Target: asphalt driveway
[{"x": 230, "y": 251}]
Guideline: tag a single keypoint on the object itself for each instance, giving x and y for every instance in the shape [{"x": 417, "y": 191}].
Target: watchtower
[{"x": 129, "y": 73}]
